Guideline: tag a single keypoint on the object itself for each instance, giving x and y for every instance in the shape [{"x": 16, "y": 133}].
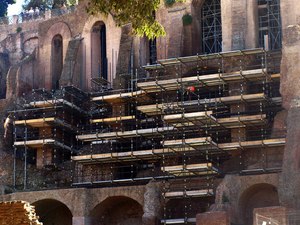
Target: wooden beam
[
  {"x": 201, "y": 166},
  {"x": 120, "y": 97},
  {"x": 252, "y": 144},
  {"x": 179, "y": 221},
  {"x": 41, "y": 122},
  {"x": 242, "y": 121},
  {"x": 44, "y": 122},
  {"x": 112, "y": 119},
  {"x": 41, "y": 142},
  {"x": 194, "y": 193},
  {"x": 194, "y": 116},
  {"x": 193, "y": 142},
  {"x": 190, "y": 169}
]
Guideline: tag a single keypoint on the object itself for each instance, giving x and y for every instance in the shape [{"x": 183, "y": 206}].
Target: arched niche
[
  {"x": 257, "y": 196},
  {"x": 53, "y": 212},
  {"x": 99, "y": 50},
  {"x": 56, "y": 60}
]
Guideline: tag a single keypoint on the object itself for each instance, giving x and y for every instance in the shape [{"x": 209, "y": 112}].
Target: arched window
[
  {"x": 99, "y": 52},
  {"x": 269, "y": 23},
  {"x": 56, "y": 60},
  {"x": 211, "y": 26}
]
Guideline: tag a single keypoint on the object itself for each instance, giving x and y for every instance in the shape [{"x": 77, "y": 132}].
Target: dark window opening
[
  {"x": 211, "y": 26},
  {"x": 99, "y": 51},
  {"x": 269, "y": 23},
  {"x": 152, "y": 52},
  {"x": 56, "y": 60}
]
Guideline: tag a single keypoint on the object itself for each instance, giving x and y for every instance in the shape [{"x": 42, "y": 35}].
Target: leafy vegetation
[
  {"x": 19, "y": 29},
  {"x": 4, "y": 5},
  {"x": 140, "y": 13},
  {"x": 47, "y": 4}
]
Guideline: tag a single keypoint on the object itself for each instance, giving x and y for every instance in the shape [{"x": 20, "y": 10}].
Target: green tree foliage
[
  {"x": 140, "y": 13},
  {"x": 44, "y": 4},
  {"x": 4, "y": 5}
]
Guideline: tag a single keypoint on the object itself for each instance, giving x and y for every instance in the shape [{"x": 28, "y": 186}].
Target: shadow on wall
[
  {"x": 117, "y": 210},
  {"x": 4, "y": 65}
]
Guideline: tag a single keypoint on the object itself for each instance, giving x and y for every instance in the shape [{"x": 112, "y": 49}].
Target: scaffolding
[
  {"x": 184, "y": 122},
  {"x": 181, "y": 124},
  {"x": 269, "y": 24},
  {"x": 211, "y": 27},
  {"x": 45, "y": 126}
]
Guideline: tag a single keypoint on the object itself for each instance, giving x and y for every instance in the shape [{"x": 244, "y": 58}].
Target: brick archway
[{"x": 257, "y": 196}]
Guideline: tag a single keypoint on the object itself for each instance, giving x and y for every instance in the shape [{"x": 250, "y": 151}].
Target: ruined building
[{"x": 197, "y": 127}]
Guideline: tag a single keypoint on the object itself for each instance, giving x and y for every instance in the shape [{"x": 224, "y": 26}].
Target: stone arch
[
  {"x": 59, "y": 28},
  {"x": 113, "y": 38},
  {"x": 53, "y": 212},
  {"x": 117, "y": 210},
  {"x": 256, "y": 196}
]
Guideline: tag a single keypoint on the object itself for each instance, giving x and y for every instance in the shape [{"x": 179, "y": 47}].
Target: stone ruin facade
[{"x": 197, "y": 127}]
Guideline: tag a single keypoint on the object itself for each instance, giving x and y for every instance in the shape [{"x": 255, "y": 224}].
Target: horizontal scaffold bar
[
  {"x": 124, "y": 134},
  {"x": 40, "y": 143}
]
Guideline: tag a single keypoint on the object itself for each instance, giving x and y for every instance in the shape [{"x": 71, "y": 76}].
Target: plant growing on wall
[
  {"x": 187, "y": 19},
  {"x": 19, "y": 29},
  {"x": 170, "y": 3}
]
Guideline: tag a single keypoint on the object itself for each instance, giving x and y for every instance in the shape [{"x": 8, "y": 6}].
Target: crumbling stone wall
[{"x": 290, "y": 178}]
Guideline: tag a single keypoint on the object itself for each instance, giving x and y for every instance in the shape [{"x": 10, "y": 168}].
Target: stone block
[
  {"x": 81, "y": 221},
  {"x": 213, "y": 218}
]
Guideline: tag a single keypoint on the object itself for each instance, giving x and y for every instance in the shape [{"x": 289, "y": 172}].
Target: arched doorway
[
  {"x": 118, "y": 210},
  {"x": 98, "y": 50},
  {"x": 53, "y": 212},
  {"x": 56, "y": 60},
  {"x": 257, "y": 196}
]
